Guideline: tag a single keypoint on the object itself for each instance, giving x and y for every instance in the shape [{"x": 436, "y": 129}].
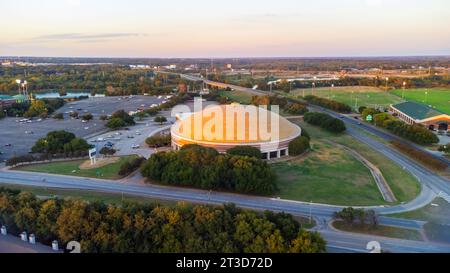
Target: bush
[
  {"x": 120, "y": 119},
  {"x": 157, "y": 141},
  {"x": 58, "y": 116},
  {"x": 130, "y": 166},
  {"x": 296, "y": 109},
  {"x": 421, "y": 156},
  {"x": 325, "y": 121},
  {"x": 106, "y": 151},
  {"x": 298, "y": 146},
  {"x": 330, "y": 104},
  {"x": 73, "y": 114},
  {"x": 160, "y": 119},
  {"x": 87, "y": 117},
  {"x": 415, "y": 133},
  {"x": 245, "y": 151},
  {"x": 103, "y": 117},
  {"x": 20, "y": 159},
  {"x": 116, "y": 123}
]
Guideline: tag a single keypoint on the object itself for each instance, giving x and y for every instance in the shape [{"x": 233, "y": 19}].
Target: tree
[
  {"x": 116, "y": 123},
  {"x": 53, "y": 142},
  {"x": 37, "y": 108},
  {"x": 73, "y": 114},
  {"x": 160, "y": 119},
  {"x": 245, "y": 151},
  {"x": 157, "y": 141},
  {"x": 103, "y": 117},
  {"x": 298, "y": 146}
]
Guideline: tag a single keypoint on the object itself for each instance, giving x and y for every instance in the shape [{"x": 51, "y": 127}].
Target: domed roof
[{"x": 235, "y": 124}]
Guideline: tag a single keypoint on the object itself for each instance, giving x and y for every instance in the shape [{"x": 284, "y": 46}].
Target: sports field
[
  {"x": 438, "y": 98},
  {"x": 355, "y": 96}
]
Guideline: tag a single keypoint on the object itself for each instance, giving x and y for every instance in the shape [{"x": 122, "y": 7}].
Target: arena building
[{"x": 226, "y": 126}]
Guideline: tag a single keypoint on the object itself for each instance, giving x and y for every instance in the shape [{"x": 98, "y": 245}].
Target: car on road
[
  {"x": 130, "y": 136},
  {"x": 8, "y": 145},
  {"x": 136, "y": 146}
]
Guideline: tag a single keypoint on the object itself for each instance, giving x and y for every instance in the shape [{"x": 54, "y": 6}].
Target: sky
[{"x": 226, "y": 28}]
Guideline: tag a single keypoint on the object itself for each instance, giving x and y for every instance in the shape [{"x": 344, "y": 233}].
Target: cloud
[{"x": 85, "y": 37}]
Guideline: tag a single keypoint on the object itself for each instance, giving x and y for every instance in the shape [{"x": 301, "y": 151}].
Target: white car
[{"x": 135, "y": 146}]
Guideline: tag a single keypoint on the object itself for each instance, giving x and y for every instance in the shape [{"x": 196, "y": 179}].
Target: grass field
[
  {"x": 354, "y": 96},
  {"x": 387, "y": 231},
  {"x": 329, "y": 174},
  {"x": 109, "y": 171},
  {"x": 238, "y": 96},
  {"x": 404, "y": 186},
  {"x": 438, "y": 98}
]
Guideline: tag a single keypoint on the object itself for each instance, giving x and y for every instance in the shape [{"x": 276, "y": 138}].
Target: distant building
[{"x": 416, "y": 113}]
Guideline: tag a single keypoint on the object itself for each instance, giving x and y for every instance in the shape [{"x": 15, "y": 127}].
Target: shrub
[
  {"x": 157, "y": 141},
  {"x": 325, "y": 121},
  {"x": 87, "y": 117},
  {"x": 103, "y": 117},
  {"x": 106, "y": 151},
  {"x": 20, "y": 159},
  {"x": 296, "y": 109},
  {"x": 245, "y": 151},
  {"x": 160, "y": 119},
  {"x": 58, "y": 116},
  {"x": 130, "y": 166},
  {"x": 421, "y": 156},
  {"x": 330, "y": 104},
  {"x": 298, "y": 146},
  {"x": 116, "y": 123}
]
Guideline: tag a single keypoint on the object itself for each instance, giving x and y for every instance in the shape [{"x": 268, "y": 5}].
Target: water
[{"x": 69, "y": 95}]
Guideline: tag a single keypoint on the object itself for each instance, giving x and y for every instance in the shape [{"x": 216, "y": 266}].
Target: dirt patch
[{"x": 86, "y": 165}]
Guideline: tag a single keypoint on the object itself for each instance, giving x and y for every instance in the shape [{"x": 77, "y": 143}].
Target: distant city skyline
[{"x": 201, "y": 28}]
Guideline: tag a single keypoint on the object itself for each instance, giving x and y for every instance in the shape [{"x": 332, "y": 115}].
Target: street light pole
[
  {"x": 403, "y": 92},
  {"x": 310, "y": 212},
  {"x": 387, "y": 79}
]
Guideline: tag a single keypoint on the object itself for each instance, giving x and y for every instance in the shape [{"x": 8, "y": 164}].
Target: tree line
[
  {"x": 205, "y": 168},
  {"x": 415, "y": 133},
  {"x": 144, "y": 228},
  {"x": 325, "y": 121},
  {"x": 329, "y": 104}
]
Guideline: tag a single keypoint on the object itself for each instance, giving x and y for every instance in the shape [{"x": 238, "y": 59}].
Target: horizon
[{"x": 201, "y": 29}]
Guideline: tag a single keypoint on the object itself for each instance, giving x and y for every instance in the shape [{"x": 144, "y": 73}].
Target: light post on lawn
[
  {"x": 310, "y": 212},
  {"x": 403, "y": 92},
  {"x": 387, "y": 79},
  {"x": 426, "y": 97}
]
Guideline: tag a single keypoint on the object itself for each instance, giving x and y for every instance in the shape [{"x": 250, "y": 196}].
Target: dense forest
[{"x": 138, "y": 228}]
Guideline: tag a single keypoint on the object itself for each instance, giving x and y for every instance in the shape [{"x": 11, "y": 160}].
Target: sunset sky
[{"x": 226, "y": 28}]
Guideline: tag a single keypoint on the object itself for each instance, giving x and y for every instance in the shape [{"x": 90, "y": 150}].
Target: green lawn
[
  {"x": 237, "y": 96},
  {"x": 109, "y": 171},
  {"x": 437, "y": 97},
  {"x": 404, "y": 186},
  {"x": 354, "y": 96},
  {"x": 386, "y": 231},
  {"x": 329, "y": 174}
]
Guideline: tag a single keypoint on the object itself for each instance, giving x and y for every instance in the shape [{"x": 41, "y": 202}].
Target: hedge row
[
  {"x": 325, "y": 121},
  {"x": 421, "y": 156},
  {"x": 330, "y": 104}
]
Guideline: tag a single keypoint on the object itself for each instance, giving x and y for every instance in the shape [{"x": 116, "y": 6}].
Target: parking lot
[{"x": 17, "y": 138}]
